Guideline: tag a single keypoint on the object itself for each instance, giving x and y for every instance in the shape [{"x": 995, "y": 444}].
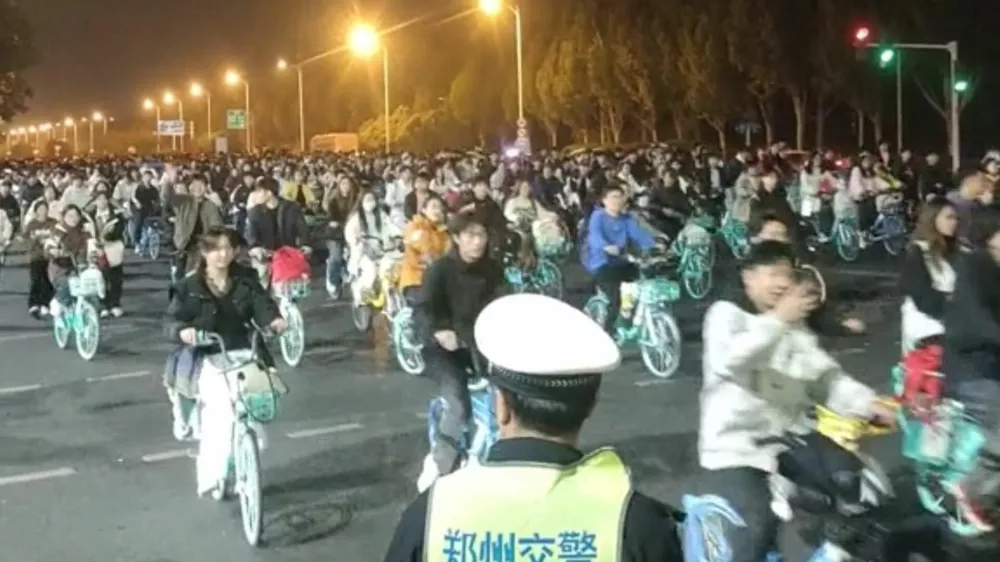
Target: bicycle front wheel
[
  {"x": 293, "y": 339},
  {"x": 660, "y": 343},
  {"x": 88, "y": 330},
  {"x": 248, "y": 484}
]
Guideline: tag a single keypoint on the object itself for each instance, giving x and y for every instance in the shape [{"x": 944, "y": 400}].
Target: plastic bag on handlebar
[{"x": 289, "y": 264}]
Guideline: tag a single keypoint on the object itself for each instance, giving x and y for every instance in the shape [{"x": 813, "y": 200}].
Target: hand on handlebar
[
  {"x": 882, "y": 413},
  {"x": 278, "y": 325},
  {"x": 189, "y": 336}
]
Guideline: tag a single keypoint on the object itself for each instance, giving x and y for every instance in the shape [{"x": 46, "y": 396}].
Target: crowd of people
[{"x": 454, "y": 221}]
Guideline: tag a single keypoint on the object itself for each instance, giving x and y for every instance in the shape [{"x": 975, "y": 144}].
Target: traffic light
[
  {"x": 961, "y": 86},
  {"x": 886, "y": 56},
  {"x": 862, "y": 34}
]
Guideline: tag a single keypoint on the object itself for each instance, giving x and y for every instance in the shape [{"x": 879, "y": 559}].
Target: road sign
[
  {"x": 236, "y": 119},
  {"x": 745, "y": 127},
  {"x": 171, "y": 128}
]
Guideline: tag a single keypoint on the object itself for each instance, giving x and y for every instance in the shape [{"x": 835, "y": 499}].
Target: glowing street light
[
  {"x": 198, "y": 91},
  {"x": 149, "y": 105},
  {"x": 282, "y": 64},
  {"x": 170, "y": 99},
  {"x": 67, "y": 123},
  {"x": 495, "y": 8},
  {"x": 233, "y": 78},
  {"x": 363, "y": 41}
]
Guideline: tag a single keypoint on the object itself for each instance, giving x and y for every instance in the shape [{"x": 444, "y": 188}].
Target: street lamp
[
  {"x": 150, "y": 105},
  {"x": 198, "y": 91},
  {"x": 97, "y": 116},
  {"x": 283, "y": 66},
  {"x": 34, "y": 130},
  {"x": 363, "y": 40},
  {"x": 233, "y": 78},
  {"x": 70, "y": 122},
  {"x": 170, "y": 99},
  {"x": 494, "y": 8}
]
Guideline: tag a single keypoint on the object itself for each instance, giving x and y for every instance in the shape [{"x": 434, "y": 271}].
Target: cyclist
[
  {"x": 537, "y": 483},
  {"x": 39, "y": 227},
  {"x": 456, "y": 288},
  {"x": 368, "y": 234},
  {"x": 70, "y": 246},
  {"x": 272, "y": 224},
  {"x": 193, "y": 216},
  {"x": 762, "y": 369},
  {"x": 426, "y": 239},
  {"x": 221, "y": 297},
  {"x": 338, "y": 202},
  {"x": 927, "y": 279},
  {"x": 611, "y": 230}
]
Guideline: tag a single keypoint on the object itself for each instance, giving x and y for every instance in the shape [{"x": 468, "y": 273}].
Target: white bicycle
[{"x": 237, "y": 395}]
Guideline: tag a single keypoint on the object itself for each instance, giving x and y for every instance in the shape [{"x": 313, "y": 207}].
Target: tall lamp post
[
  {"x": 233, "y": 78},
  {"x": 70, "y": 122},
  {"x": 197, "y": 91},
  {"x": 364, "y": 42},
  {"x": 494, "y": 8},
  {"x": 96, "y": 117},
  {"x": 283, "y": 65},
  {"x": 170, "y": 99},
  {"x": 150, "y": 105}
]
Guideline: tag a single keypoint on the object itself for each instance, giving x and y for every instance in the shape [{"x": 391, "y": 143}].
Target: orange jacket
[{"x": 423, "y": 241}]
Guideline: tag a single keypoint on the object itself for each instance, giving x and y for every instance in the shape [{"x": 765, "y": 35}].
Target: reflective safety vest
[{"x": 530, "y": 512}]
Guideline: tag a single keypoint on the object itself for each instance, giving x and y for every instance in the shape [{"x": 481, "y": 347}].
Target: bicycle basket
[
  {"x": 842, "y": 430},
  {"x": 295, "y": 290},
  {"x": 259, "y": 406},
  {"x": 696, "y": 235},
  {"x": 88, "y": 284},
  {"x": 659, "y": 291}
]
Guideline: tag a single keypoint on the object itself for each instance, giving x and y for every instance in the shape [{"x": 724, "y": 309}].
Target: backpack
[{"x": 289, "y": 264}]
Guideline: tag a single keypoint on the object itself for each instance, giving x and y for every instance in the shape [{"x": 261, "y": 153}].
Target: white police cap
[{"x": 538, "y": 335}]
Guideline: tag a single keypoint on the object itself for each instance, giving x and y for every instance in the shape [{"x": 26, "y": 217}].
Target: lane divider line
[
  {"x": 168, "y": 455},
  {"x": 19, "y": 389},
  {"x": 316, "y": 432},
  {"x": 651, "y": 382},
  {"x": 119, "y": 376},
  {"x": 48, "y": 333},
  {"x": 36, "y": 476}
]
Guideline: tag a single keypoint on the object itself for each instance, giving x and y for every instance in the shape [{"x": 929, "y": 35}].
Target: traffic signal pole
[{"x": 954, "y": 110}]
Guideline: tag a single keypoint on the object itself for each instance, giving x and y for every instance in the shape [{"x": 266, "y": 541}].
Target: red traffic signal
[{"x": 862, "y": 34}]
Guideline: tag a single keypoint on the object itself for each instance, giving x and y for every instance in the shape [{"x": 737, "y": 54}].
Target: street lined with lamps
[
  {"x": 197, "y": 91},
  {"x": 170, "y": 99},
  {"x": 282, "y": 66}
]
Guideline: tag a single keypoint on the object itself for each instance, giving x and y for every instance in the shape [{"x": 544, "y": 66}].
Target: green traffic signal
[
  {"x": 886, "y": 56},
  {"x": 961, "y": 86}
]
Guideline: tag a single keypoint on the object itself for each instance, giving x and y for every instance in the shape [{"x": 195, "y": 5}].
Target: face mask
[{"x": 369, "y": 206}]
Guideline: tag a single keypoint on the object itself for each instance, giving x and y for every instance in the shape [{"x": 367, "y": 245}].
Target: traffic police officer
[{"x": 537, "y": 496}]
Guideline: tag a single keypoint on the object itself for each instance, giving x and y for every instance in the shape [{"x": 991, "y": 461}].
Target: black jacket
[
  {"x": 454, "y": 292},
  {"x": 287, "y": 228},
  {"x": 972, "y": 321},
  {"x": 194, "y": 306},
  {"x": 915, "y": 282},
  {"x": 649, "y": 530}
]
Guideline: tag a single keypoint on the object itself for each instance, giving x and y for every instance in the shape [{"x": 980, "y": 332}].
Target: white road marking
[
  {"x": 19, "y": 389},
  {"x": 119, "y": 376},
  {"x": 316, "y": 432},
  {"x": 851, "y": 351},
  {"x": 167, "y": 455},
  {"x": 35, "y": 476},
  {"x": 651, "y": 382},
  {"x": 48, "y": 334},
  {"x": 422, "y": 416}
]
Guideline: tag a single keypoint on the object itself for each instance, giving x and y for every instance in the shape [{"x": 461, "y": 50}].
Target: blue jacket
[{"x": 605, "y": 230}]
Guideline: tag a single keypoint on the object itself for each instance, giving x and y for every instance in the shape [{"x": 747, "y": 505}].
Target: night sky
[{"x": 106, "y": 54}]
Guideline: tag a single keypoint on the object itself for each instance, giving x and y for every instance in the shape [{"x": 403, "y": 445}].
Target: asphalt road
[{"x": 89, "y": 470}]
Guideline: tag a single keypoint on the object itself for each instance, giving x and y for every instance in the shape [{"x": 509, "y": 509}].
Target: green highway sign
[{"x": 236, "y": 119}]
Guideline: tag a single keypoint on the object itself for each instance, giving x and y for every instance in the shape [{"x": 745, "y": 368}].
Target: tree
[
  {"x": 568, "y": 82},
  {"x": 16, "y": 56},
  {"x": 754, "y": 49},
  {"x": 712, "y": 83}
]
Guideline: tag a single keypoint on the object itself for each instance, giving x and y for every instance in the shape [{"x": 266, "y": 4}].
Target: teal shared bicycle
[
  {"x": 651, "y": 324},
  {"x": 943, "y": 442},
  {"x": 734, "y": 234},
  {"x": 81, "y": 318},
  {"x": 694, "y": 248}
]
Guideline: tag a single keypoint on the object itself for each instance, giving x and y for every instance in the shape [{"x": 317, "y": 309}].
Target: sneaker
[
  {"x": 104, "y": 313},
  {"x": 428, "y": 475},
  {"x": 182, "y": 431},
  {"x": 33, "y": 311},
  {"x": 43, "y": 310},
  {"x": 117, "y": 312},
  {"x": 333, "y": 290},
  {"x": 55, "y": 308}
]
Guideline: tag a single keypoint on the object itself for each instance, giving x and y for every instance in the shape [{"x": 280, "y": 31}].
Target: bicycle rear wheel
[
  {"x": 247, "y": 457},
  {"x": 153, "y": 242}
]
